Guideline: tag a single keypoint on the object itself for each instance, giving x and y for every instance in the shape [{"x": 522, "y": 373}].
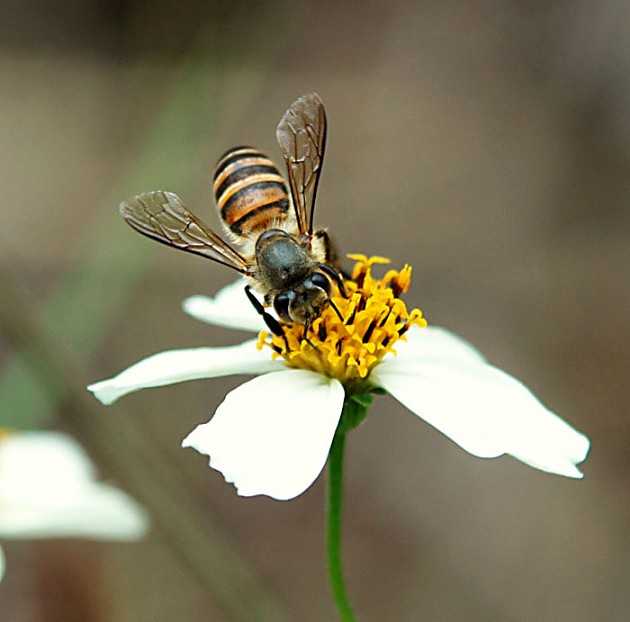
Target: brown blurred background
[{"x": 486, "y": 143}]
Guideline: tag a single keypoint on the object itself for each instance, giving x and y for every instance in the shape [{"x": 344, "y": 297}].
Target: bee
[{"x": 273, "y": 243}]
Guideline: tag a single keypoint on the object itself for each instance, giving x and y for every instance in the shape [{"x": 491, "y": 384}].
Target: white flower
[
  {"x": 48, "y": 489},
  {"x": 272, "y": 434}
]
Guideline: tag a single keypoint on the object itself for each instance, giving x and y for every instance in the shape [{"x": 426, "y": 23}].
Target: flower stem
[
  {"x": 335, "y": 494},
  {"x": 355, "y": 409}
]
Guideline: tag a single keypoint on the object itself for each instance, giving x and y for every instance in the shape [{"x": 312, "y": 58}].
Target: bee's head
[{"x": 305, "y": 302}]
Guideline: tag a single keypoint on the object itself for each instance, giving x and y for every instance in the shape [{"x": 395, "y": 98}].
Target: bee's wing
[
  {"x": 301, "y": 135},
  {"x": 162, "y": 216}
]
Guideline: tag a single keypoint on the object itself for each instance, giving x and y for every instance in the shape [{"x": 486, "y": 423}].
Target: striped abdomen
[{"x": 249, "y": 191}]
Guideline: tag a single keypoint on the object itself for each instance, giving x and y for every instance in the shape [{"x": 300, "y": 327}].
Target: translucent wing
[
  {"x": 301, "y": 135},
  {"x": 162, "y": 216}
]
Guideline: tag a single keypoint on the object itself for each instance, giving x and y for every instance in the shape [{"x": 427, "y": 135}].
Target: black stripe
[
  {"x": 226, "y": 159},
  {"x": 233, "y": 149},
  {"x": 241, "y": 173},
  {"x": 260, "y": 185},
  {"x": 237, "y": 226}
]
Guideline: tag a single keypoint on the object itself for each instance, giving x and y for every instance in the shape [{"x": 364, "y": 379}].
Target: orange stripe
[
  {"x": 259, "y": 220},
  {"x": 237, "y": 210},
  {"x": 243, "y": 183},
  {"x": 260, "y": 160}
]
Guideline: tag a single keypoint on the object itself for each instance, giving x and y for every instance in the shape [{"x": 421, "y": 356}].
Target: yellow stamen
[{"x": 374, "y": 319}]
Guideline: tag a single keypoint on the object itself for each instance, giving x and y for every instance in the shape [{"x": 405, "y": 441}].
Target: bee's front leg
[{"x": 272, "y": 323}]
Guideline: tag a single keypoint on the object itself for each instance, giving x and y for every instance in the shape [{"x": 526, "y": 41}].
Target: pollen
[{"x": 355, "y": 332}]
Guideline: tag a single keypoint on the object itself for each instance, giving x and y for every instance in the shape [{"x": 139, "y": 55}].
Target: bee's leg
[
  {"x": 335, "y": 276},
  {"x": 307, "y": 325},
  {"x": 274, "y": 326},
  {"x": 335, "y": 308},
  {"x": 330, "y": 252}
]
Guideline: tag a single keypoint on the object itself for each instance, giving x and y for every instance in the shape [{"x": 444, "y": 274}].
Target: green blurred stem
[
  {"x": 352, "y": 411},
  {"x": 201, "y": 543}
]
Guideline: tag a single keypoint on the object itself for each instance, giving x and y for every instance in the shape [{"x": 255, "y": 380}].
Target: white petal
[
  {"x": 271, "y": 436},
  {"x": 485, "y": 411},
  {"x": 434, "y": 344},
  {"x": 51, "y": 460},
  {"x": 96, "y": 511},
  {"x": 229, "y": 307},
  {"x": 175, "y": 366},
  {"x": 47, "y": 489}
]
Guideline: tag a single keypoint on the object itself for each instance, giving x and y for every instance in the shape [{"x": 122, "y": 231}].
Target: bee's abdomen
[{"x": 249, "y": 191}]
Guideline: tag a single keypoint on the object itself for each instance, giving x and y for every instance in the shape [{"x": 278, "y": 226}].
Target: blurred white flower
[
  {"x": 48, "y": 489},
  {"x": 272, "y": 434}
]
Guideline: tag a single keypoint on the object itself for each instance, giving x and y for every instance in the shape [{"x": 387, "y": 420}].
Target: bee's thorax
[{"x": 282, "y": 262}]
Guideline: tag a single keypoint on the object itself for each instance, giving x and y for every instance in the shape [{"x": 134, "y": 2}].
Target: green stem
[
  {"x": 354, "y": 411},
  {"x": 335, "y": 494}
]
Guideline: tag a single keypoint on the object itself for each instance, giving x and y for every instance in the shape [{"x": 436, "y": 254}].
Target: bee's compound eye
[
  {"x": 318, "y": 280},
  {"x": 281, "y": 305}
]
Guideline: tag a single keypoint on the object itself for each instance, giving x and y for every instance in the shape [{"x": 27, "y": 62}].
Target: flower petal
[
  {"x": 271, "y": 436},
  {"x": 97, "y": 511},
  {"x": 485, "y": 411},
  {"x": 50, "y": 460},
  {"x": 229, "y": 307},
  {"x": 47, "y": 489},
  {"x": 433, "y": 343},
  {"x": 175, "y": 366}
]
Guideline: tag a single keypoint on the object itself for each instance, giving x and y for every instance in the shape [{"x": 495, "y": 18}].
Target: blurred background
[{"x": 485, "y": 143}]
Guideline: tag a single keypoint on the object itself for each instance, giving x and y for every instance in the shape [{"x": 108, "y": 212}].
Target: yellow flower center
[{"x": 353, "y": 334}]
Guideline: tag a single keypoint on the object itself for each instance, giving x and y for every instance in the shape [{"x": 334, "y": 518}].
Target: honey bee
[{"x": 292, "y": 266}]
